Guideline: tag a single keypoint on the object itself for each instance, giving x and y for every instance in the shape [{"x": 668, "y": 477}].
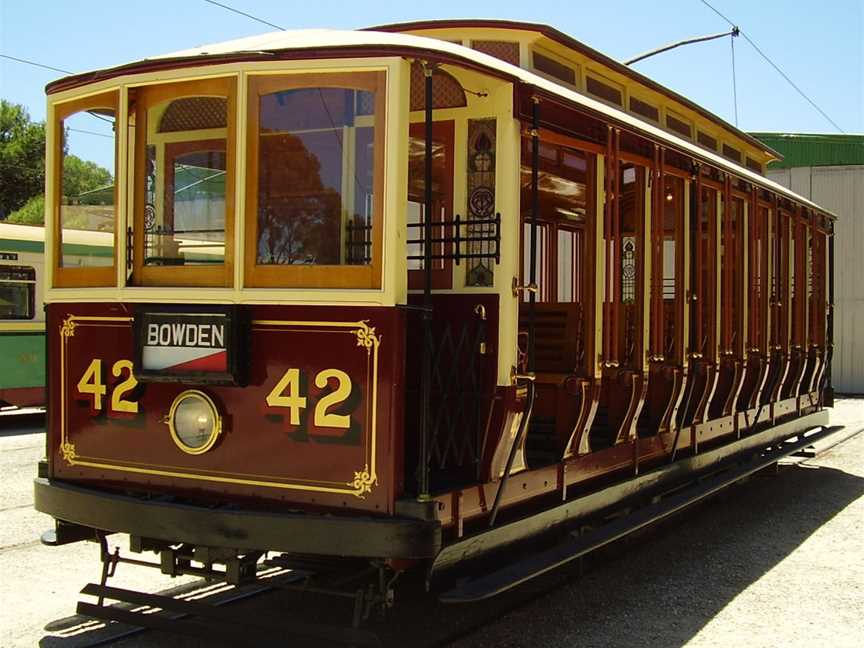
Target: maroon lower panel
[{"x": 318, "y": 424}]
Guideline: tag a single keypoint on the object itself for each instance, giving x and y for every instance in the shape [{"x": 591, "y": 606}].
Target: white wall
[{"x": 840, "y": 189}]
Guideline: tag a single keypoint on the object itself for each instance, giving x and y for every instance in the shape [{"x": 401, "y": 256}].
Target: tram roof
[{"x": 341, "y": 43}]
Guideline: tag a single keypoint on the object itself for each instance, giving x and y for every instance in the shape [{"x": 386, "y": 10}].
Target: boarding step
[
  {"x": 203, "y": 620},
  {"x": 501, "y": 580}
]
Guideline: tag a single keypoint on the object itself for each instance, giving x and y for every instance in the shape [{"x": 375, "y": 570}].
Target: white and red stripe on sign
[{"x": 184, "y": 343}]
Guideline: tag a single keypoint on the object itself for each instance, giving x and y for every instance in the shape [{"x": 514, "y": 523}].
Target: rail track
[{"x": 203, "y": 611}]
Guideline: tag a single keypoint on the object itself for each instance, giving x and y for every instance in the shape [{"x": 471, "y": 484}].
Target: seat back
[{"x": 557, "y": 336}]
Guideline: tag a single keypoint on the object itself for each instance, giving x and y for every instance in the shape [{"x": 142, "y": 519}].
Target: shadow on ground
[
  {"x": 661, "y": 587},
  {"x": 15, "y": 424},
  {"x": 664, "y": 587}
]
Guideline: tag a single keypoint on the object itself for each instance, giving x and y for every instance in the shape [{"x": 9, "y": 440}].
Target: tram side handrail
[{"x": 458, "y": 240}]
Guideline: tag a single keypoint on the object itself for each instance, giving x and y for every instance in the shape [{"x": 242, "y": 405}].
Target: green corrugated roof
[{"x": 804, "y": 149}]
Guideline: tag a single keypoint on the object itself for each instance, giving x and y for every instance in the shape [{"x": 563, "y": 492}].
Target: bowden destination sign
[{"x": 184, "y": 343}]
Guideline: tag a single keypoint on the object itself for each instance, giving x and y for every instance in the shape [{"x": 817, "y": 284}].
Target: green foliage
[
  {"x": 81, "y": 176},
  {"x": 32, "y": 213},
  {"x": 22, "y": 157},
  {"x": 22, "y": 169}
]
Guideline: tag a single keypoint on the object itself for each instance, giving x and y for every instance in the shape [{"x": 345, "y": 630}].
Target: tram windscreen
[
  {"x": 184, "y": 214},
  {"x": 315, "y": 177},
  {"x": 87, "y": 188}
]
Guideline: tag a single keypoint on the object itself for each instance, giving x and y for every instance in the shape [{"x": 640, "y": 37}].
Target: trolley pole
[{"x": 426, "y": 376}]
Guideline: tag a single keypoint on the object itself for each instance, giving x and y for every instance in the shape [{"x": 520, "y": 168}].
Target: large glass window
[
  {"x": 704, "y": 267},
  {"x": 442, "y": 202},
  {"x": 732, "y": 275},
  {"x": 85, "y": 194},
  {"x": 184, "y": 145},
  {"x": 313, "y": 192},
  {"x": 666, "y": 341},
  {"x": 563, "y": 199},
  {"x": 17, "y": 292}
]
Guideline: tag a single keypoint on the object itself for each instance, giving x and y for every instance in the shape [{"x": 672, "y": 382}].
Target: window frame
[
  {"x": 31, "y": 289},
  {"x": 145, "y": 97},
  {"x": 314, "y": 276},
  {"x": 83, "y": 276},
  {"x": 681, "y": 119},
  {"x": 442, "y": 277},
  {"x": 609, "y": 83},
  {"x": 548, "y": 265},
  {"x": 559, "y": 60},
  {"x": 648, "y": 103}
]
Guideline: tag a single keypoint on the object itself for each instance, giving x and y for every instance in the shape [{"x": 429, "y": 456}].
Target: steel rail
[{"x": 498, "y": 612}]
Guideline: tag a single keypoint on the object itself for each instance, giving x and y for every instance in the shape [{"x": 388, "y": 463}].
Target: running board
[
  {"x": 216, "y": 624},
  {"x": 514, "y": 574}
]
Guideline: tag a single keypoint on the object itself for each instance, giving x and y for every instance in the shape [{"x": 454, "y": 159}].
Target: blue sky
[{"x": 820, "y": 45}]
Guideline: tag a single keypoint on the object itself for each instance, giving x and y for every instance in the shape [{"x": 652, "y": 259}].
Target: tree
[
  {"x": 32, "y": 213},
  {"x": 22, "y": 157},
  {"x": 81, "y": 176},
  {"x": 298, "y": 217}
]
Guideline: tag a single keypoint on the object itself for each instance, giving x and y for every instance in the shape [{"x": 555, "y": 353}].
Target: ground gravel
[{"x": 777, "y": 561}]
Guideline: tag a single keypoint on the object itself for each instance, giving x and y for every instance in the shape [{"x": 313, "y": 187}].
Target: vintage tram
[{"x": 412, "y": 294}]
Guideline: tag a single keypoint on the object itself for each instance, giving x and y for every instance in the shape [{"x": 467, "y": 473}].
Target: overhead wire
[
  {"x": 776, "y": 67},
  {"x": 87, "y": 132},
  {"x": 34, "y": 63},
  {"x": 320, "y": 92},
  {"x": 56, "y": 69},
  {"x": 248, "y": 15}
]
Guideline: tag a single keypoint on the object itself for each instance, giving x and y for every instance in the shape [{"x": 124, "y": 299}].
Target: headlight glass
[{"x": 195, "y": 422}]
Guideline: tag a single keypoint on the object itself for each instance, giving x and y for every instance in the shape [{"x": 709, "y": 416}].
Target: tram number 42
[
  {"x": 285, "y": 393},
  {"x": 91, "y": 384}
]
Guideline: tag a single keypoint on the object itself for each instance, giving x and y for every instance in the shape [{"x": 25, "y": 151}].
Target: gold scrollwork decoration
[
  {"x": 67, "y": 329},
  {"x": 366, "y": 337},
  {"x": 68, "y": 452},
  {"x": 363, "y": 482}
]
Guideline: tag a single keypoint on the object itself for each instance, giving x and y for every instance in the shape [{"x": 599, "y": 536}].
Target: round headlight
[{"x": 194, "y": 422}]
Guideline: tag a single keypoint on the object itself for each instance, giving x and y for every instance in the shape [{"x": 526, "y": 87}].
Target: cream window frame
[
  {"x": 314, "y": 276},
  {"x": 85, "y": 276},
  {"x": 145, "y": 97}
]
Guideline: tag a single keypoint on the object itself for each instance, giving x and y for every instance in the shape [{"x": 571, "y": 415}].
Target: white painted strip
[{"x": 154, "y": 358}]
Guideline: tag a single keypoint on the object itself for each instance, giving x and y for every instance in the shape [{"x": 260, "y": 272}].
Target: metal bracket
[{"x": 519, "y": 289}]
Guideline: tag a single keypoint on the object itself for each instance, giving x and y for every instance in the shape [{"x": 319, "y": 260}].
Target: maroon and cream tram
[{"x": 413, "y": 294}]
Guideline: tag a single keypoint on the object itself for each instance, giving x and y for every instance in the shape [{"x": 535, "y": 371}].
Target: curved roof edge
[
  {"x": 336, "y": 43},
  {"x": 571, "y": 43}
]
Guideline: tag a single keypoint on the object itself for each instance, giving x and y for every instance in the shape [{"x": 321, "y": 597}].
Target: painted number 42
[
  {"x": 286, "y": 393},
  {"x": 91, "y": 384}
]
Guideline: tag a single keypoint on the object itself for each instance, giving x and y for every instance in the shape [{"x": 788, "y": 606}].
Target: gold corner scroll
[
  {"x": 366, "y": 336},
  {"x": 67, "y": 329},
  {"x": 67, "y": 449},
  {"x": 363, "y": 482}
]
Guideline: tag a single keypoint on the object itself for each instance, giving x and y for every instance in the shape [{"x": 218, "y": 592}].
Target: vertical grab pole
[
  {"x": 829, "y": 346},
  {"x": 426, "y": 377},
  {"x": 535, "y": 207}
]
